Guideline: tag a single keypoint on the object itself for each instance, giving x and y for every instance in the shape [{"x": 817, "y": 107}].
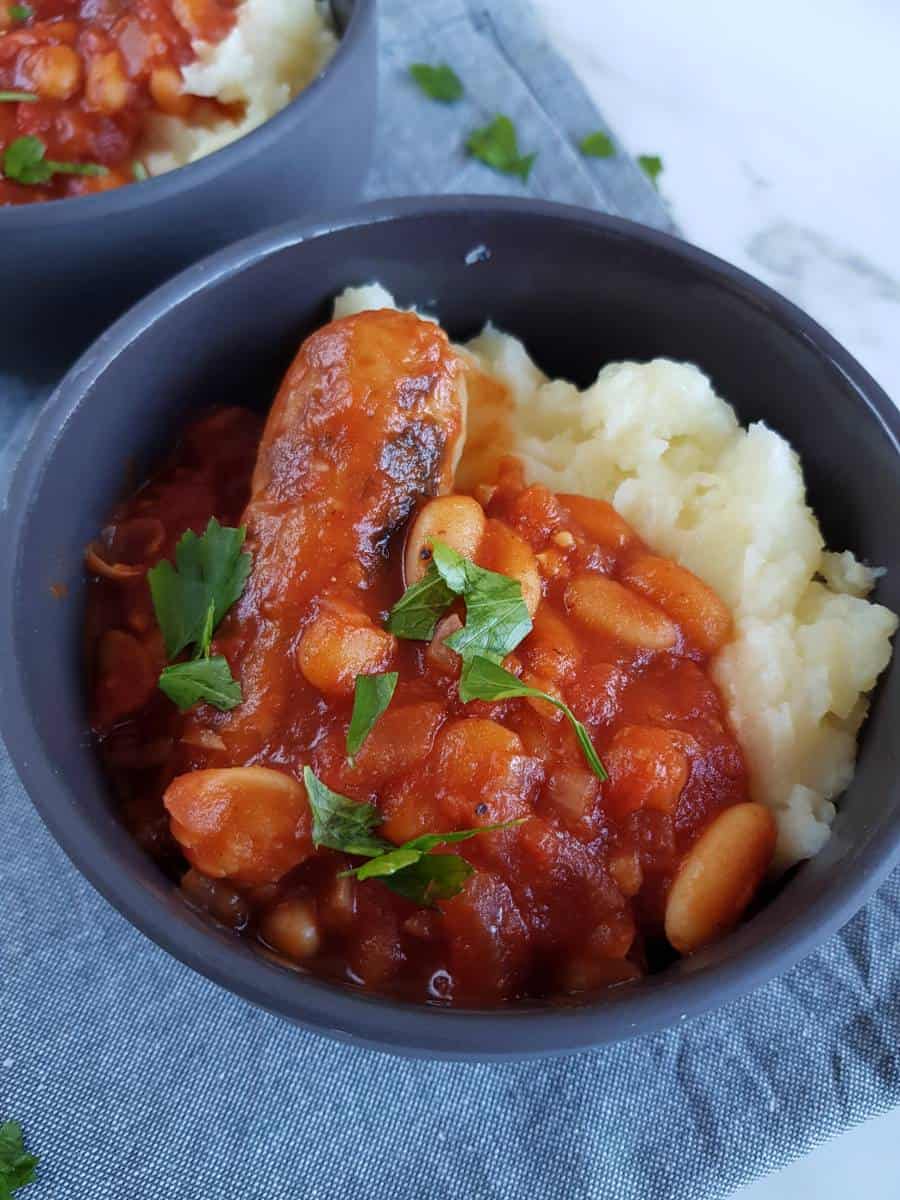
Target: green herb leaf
[
  {"x": 652, "y": 165},
  {"x": 17, "y": 1166},
  {"x": 25, "y": 161},
  {"x": 139, "y": 171},
  {"x": 21, "y": 97},
  {"x": 597, "y": 145},
  {"x": 422, "y": 877},
  {"x": 483, "y": 679},
  {"x": 431, "y": 878},
  {"x": 340, "y": 823},
  {"x": 208, "y": 679},
  {"x": 496, "y": 616},
  {"x": 440, "y": 83},
  {"x": 417, "y": 612},
  {"x": 20, "y": 12},
  {"x": 211, "y": 570},
  {"x": 496, "y": 144},
  {"x": 372, "y": 694}
]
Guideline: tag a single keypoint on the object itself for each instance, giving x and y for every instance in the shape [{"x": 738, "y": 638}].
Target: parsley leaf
[
  {"x": 483, "y": 679},
  {"x": 209, "y": 679},
  {"x": 496, "y": 617},
  {"x": 340, "y": 823},
  {"x": 422, "y": 877},
  {"x": 20, "y": 12},
  {"x": 25, "y": 161},
  {"x": 16, "y": 1164},
  {"x": 22, "y": 97},
  {"x": 139, "y": 171},
  {"x": 440, "y": 82},
  {"x": 496, "y": 144},
  {"x": 430, "y": 878},
  {"x": 597, "y": 145},
  {"x": 417, "y": 612},
  {"x": 652, "y": 165},
  {"x": 210, "y": 573},
  {"x": 371, "y": 696}
]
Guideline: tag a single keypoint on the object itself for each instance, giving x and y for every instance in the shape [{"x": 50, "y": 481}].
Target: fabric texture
[{"x": 136, "y": 1079}]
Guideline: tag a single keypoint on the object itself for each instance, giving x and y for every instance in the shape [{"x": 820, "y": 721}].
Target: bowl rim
[
  {"x": 330, "y": 1008},
  {"x": 26, "y": 218}
]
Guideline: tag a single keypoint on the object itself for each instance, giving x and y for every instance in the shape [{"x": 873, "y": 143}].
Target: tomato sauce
[
  {"x": 568, "y": 902},
  {"x": 97, "y": 68}
]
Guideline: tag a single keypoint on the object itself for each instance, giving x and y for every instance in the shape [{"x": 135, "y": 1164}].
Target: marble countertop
[{"x": 778, "y": 131}]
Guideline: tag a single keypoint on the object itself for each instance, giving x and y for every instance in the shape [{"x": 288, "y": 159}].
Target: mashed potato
[
  {"x": 276, "y": 48},
  {"x": 729, "y": 503}
]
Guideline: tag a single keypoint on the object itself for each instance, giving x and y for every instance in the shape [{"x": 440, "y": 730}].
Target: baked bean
[
  {"x": 340, "y": 644},
  {"x": 647, "y": 767},
  {"x": 587, "y": 973},
  {"x": 54, "y": 72},
  {"x": 717, "y": 878},
  {"x": 607, "y": 607},
  {"x": 600, "y": 521},
  {"x": 167, "y": 90},
  {"x": 625, "y": 868},
  {"x": 107, "y": 87},
  {"x": 126, "y": 676},
  {"x": 504, "y": 551},
  {"x": 704, "y": 618},
  {"x": 292, "y": 929},
  {"x": 221, "y": 901},
  {"x": 247, "y": 824},
  {"x": 457, "y": 521}
]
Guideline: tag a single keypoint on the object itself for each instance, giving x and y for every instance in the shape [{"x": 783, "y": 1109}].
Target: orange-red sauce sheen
[
  {"x": 98, "y": 67},
  {"x": 571, "y": 900}
]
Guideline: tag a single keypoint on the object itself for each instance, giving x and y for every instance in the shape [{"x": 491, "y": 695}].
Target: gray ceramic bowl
[
  {"x": 581, "y": 289},
  {"x": 69, "y": 266}
]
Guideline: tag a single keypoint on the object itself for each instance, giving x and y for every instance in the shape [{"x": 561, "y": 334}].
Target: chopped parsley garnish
[
  {"x": 25, "y": 161},
  {"x": 372, "y": 694},
  {"x": 410, "y": 870},
  {"x": 597, "y": 145},
  {"x": 483, "y": 679},
  {"x": 440, "y": 82},
  {"x": 423, "y": 877},
  {"x": 651, "y": 165},
  {"x": 497, "y": 145},
  {"x": 209, "y": 679},
  {"x": 340, "y": 823},
  {"x": 190, "y": 599},
  {"x": 17, "y": 1166},
  {"x": 139, "y": 171},
  {"x": 20, "y": 12},
  {"x": 497, "y": 621},
  {"x": 18, "y": 97}
]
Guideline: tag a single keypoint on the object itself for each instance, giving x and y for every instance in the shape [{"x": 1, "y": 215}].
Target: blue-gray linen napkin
[{"x": 137, "y": 1080}]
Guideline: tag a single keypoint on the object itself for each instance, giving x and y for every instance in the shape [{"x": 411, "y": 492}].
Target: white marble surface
[
  {"x": 777, "y": 122},
  {"x": 778, "y": 125}
]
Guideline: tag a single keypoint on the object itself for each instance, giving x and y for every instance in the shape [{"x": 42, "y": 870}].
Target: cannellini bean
[
  {"x": 219, "y": 899},
  {"x": 167, "y": 90},
  {"x": 648, "y": 768},
  {"x": 704, "y": 618},
  {"x": 585, "y": 973},
  {"x": 126, "y": 676},
  {"x": 600, "y": 521},
  {"x": 717, "y": 879},
  {"x": 291, "y": 928},
  {"x": 608, "y": 607},
  {"x": 625, "y": 868},
  {"x": 551, "y": 648},
  {"x": 107, "y": 87},
  {"x": 572, "y": 791},
  {"x": 504, "y": 551},
  {"x": 340, "y": 644},
  {"x": 456, "y": 520},
  {"x": 247, "y": 824},
  {"x": 54, "y": 72},
  {"x": 337, "y": 903}
]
